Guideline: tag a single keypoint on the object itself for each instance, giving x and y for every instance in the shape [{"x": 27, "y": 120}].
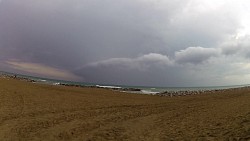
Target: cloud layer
[
  {"x": 42, "y": 70},
  {"x": 130, "y": 42},
  {"x": 195, "y": 55}
]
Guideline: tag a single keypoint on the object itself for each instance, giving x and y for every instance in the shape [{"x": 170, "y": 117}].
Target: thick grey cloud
[
  {"x": 139, "y": 42},
  {"x": 195, "y": 55},
  {"x": 77, "y": 32},
  {"x": 141, "y": 63},
  {"x": 150, "y": 69}
]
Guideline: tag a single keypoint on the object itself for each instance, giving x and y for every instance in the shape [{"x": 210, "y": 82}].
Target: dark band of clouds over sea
[{"x": 128, "y": 42}]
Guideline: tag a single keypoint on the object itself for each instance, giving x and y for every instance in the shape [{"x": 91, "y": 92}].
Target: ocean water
[
  {"x": 144, "y": 89},
  {"x": 155, "y": 90}
]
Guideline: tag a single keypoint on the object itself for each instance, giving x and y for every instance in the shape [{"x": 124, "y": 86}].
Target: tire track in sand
[{"x": 14, "y": 109}]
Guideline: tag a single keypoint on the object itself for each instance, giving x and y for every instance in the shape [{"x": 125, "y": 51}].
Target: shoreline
[{"x": 169, "y": 93}]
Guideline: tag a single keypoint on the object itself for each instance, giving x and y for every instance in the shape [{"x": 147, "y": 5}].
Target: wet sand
[{"x": 43, "y": 112}]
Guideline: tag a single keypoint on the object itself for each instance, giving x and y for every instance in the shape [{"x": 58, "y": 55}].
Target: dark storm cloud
[
  {"x": 69, "y": 33},
  {"x": 31, "y": 33},
  {"x": 139, "y": 42}
]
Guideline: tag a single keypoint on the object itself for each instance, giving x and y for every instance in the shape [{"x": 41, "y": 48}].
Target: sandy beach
[{"x": 31, "y": 111}]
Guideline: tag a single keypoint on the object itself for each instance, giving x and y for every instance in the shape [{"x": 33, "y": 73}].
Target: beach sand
[{"x": 44, "y": 112}]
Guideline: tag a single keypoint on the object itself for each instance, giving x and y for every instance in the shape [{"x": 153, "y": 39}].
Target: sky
[{"x": 172, "y": 43}]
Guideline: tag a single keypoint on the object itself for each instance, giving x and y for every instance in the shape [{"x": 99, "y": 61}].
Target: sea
[{"x": 144, "y": 89}]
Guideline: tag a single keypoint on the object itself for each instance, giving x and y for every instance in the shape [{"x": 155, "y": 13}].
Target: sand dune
[{"x": 42, "y": 112}]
